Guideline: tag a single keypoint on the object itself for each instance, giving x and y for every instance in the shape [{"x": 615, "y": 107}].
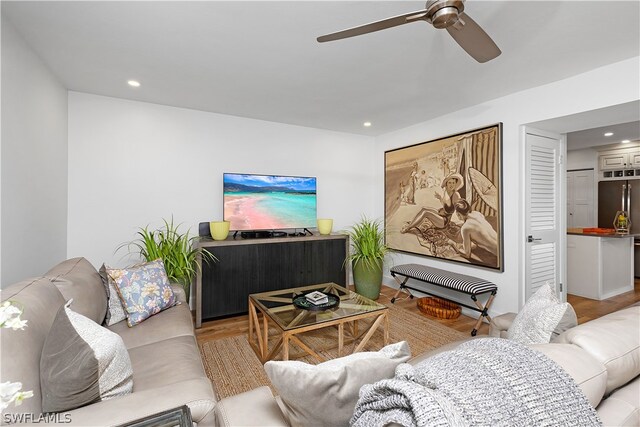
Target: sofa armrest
[
  {"x": 178, "y": 291},
  {"x": 500, "y": 324},
  {"x": 251, "y": 408},
  {"x": 196, "y": 393}
]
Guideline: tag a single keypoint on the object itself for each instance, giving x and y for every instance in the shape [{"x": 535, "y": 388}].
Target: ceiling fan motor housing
[{"x": 443, "y": 14}]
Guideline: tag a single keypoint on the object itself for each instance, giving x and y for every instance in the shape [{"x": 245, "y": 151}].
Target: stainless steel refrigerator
[{"x": 614, "y": 196}]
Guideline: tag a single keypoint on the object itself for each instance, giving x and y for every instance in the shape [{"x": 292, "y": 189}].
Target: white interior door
[
  {"x": 580, "y": 189},
  {"x": 544, "y": 216}
]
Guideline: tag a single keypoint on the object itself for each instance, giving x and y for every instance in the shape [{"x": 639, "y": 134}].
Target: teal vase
[{"x": 368, "y": 278}]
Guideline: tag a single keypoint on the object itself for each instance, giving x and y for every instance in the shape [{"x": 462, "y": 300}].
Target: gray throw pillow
[
  {"x": 81, "y": 363},
  {"x": 326, "y": 394},
  {"x": 539, "y": 317},
  {"x": 77, "y": 279},
  {"x": 115, "y": 309}
]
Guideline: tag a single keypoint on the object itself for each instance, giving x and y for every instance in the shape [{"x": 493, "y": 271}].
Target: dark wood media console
[{"x": 248, "y": 266}]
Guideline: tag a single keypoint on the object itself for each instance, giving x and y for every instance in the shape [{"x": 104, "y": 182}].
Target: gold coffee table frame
[{"x": 290, "y": 321}]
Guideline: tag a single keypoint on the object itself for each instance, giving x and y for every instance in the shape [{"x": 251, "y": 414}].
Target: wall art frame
[{"x": 443, "y": 198}]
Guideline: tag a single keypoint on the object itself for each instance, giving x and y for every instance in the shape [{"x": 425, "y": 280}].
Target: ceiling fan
[{"x": 442, "y": 14}]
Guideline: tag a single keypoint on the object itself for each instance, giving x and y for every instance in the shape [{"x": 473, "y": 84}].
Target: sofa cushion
[
  {"x": 622, "y": 408},
  {"x": 539, "y": 317},
  {"x": 20, "y": 350},
  {"x": 587, "y": 372},
  {"x": 81, "y": 363},
  {"x": 115, "y": 310},
  {"x": 77, "y": 279},
  {"x": 327, "y": 393},
  {"x": 231, "y": 411},
  {"x": 166, "y": 362},
  {"x": 499, "y": 325},
  {"x": 172, "y": 322},
  {"x": 144, "y": 290},
  {"x": 614, "y": 340}
]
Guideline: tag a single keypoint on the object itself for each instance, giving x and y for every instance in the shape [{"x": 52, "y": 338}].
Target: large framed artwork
[{"x": 443, "y": 198}]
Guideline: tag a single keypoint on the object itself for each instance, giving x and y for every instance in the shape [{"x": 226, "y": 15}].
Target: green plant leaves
[
  {"x": 177, "y": 251},
  {"x": 367, "y": 243}
]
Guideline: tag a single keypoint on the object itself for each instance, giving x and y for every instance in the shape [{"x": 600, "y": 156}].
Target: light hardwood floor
[{"x": 586, "y": 309}]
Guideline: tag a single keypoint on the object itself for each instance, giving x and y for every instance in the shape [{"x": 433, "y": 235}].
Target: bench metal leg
[
  {"x": 402, "y": 288},
  {"x": 483, "y": 312}
]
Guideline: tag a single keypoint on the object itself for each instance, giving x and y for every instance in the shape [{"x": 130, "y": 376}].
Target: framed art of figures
[{"x": 443, "y": 198}]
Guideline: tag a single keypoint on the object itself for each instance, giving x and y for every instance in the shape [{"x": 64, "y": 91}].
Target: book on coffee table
[{"x": 317, "y": 298}]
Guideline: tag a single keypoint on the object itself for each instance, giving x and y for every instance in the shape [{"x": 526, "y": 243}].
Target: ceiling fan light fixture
[{"x": 445, "y": 17}]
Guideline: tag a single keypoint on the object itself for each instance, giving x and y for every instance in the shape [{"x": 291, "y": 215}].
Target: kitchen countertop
[{"x": 613, "y": 234}]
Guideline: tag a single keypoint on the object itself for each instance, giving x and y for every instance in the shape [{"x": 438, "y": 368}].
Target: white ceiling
[
  {"x": 261, "y": 60},
  {"x": 587, "y": 129},
  {"x": 594, "y": 137}
]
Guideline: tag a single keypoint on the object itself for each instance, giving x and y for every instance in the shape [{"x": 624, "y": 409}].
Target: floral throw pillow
[{"x": 143, "y": 289}]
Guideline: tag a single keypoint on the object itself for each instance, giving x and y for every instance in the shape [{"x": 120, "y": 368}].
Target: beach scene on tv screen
[{"x": 269, "y": 202}]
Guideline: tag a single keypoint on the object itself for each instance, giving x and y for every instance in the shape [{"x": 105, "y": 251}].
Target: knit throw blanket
[{"x": 482, "y": 382}]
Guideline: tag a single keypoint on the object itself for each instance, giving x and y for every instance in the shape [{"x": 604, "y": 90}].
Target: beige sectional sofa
[
  {"x": 602, "y": 356},
  {"x": 166, "y": 363}
]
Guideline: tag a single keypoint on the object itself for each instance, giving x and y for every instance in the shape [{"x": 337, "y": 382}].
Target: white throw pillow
[
  {"x": 537, "y": 320},
  {"x": 327, "y": 393}
]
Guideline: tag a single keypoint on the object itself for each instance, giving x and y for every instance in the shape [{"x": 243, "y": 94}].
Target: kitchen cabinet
[
  {"x": 634, "y": 159},
  {"x": 619, "y": 158},
  {"x": 614, "y": 161}
]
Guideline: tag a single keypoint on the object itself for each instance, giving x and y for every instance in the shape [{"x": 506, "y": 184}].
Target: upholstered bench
[{"x": 455, "y": 281}]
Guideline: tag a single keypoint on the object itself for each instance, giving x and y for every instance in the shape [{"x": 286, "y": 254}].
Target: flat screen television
[{"x": 269, "y": 202}]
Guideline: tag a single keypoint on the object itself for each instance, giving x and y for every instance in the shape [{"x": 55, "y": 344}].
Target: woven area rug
[{"x": 233, "y": 367}]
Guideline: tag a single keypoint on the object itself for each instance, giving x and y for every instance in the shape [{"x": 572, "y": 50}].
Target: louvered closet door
[{"x": 542, "y": 218}]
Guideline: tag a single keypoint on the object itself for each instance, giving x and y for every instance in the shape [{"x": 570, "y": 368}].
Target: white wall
[
  {"x": 587, "y": 158},
  {"x": 34, "y": 162},
  {"x": 611, "y": 85},
  {"x": 133, "y": 163}
]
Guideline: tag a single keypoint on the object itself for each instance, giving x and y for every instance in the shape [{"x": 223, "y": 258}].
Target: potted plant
[
  {"x": 367, "y": 256},
  {"x": 177, "y": 251}
]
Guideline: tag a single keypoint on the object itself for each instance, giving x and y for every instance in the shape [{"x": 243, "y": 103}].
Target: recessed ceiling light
[
  {"x": 133, "y": 83},
  {"x": 608, "y": 134},
  {"x": 366, "y": 124},
  {"x": 625, "y": 141}
]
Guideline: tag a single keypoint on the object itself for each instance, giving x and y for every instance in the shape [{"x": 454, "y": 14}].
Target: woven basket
[{"x": 439, "y": 308}]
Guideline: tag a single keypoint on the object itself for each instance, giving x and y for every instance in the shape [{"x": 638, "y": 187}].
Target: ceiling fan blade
[
  {"x": 374, "y": 26},
  {"x": 472, "y": 38}
]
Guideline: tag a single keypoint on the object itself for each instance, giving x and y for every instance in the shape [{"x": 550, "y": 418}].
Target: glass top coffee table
[{"x": 278, "y": 308}]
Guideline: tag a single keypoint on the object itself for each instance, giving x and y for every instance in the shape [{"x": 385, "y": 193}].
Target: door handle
[
  {"x": 629, "y": 202},
  {"x": 530, "y": 239}
]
